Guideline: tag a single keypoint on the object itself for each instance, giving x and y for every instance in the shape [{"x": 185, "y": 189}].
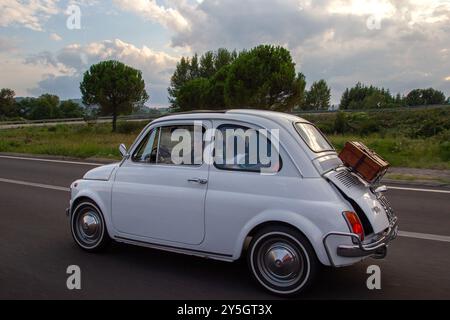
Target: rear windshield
[{"x": 315, "y": 140}]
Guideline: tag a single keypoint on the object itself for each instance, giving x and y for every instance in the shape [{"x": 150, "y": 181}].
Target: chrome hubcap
[
  {"x": 89, "y": 224},
  {"x": 89, "y": 227},
  {"x": 280, "y": 263}
]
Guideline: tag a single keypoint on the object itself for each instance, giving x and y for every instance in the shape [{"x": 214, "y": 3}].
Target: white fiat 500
[{"x": 286, "y": 210}]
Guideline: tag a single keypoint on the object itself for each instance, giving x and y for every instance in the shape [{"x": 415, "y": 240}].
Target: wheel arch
[
  {"x": 291, "y": 220},
  {"x": 91, "y": 197},
  {"x": 79, "y": 200}
]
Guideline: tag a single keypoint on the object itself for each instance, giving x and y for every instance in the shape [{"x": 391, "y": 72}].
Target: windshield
[{"x": 315, "y": 140}]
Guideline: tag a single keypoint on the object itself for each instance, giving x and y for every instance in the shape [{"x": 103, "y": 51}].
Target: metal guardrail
[
  {"x": 409, "y": 108},
  {"x": 68, "y": 120}
]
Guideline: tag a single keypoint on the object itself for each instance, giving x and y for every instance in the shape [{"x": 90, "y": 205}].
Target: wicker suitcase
[{"x": 369, "y": 165}]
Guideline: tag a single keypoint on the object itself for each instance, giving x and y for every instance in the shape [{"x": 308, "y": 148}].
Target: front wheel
[
  {"x": 88, "y": 227},
  {"x": 282, "y": 260}
]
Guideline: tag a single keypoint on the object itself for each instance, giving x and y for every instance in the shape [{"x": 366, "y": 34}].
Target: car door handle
[{"x": 198, "y": 180}]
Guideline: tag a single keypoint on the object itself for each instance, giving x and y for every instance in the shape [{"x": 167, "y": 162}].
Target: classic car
[{"x": 287, "y": 216}]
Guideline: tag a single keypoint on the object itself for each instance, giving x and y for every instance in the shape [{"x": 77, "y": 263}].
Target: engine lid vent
[{"x": 348, "y": 179}]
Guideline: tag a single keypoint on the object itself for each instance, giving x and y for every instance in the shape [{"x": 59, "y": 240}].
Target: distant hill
[
  {"x": 79, "y": 102},
  {"x": 146, "y": 110}
]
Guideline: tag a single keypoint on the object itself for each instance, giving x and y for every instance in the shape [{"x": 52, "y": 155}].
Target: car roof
[{"x": 224, "y": 114}]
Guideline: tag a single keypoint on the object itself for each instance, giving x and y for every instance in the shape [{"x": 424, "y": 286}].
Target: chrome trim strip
[{"x": 199, "y": 253}]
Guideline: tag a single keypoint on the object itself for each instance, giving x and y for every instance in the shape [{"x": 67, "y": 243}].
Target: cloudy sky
[{"x": 399, "y": 44}]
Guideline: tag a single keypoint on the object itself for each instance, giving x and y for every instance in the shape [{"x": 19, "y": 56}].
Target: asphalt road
[{"x": 36, "y": 248}]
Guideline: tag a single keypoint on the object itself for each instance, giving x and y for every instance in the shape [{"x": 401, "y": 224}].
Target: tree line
[
  {"x": 369, "y": 97},
  {"x": 262, "y": 78},
  {"x": 265, "y": 78},
  {"x": 46, "y": 106}
]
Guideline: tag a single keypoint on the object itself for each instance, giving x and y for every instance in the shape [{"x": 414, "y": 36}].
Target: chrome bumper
[{"x": 376, "y": 249}]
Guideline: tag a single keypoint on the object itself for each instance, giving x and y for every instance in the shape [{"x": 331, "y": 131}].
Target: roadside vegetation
[
  {"x": 416, "y": 138},
  {"x": 412, "y": 138},
  {"x": 81, "y": 141}
]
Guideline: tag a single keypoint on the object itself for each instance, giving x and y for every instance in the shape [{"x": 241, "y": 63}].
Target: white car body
[{"x": 156, "y": 206}]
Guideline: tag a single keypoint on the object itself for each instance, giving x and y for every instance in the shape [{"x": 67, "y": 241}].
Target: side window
[
  {"x": 171, "y": 145},
  {"x": 235, "y": 153},
  {"x": 148, "y": 148},
  {"x": 179, "y": 145}
]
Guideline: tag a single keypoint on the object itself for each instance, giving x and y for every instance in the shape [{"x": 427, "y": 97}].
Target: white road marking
[
  {"x": 407, "y": 234},
  {"x": 99, "y": 164},
  {"x": 51, "y": 160},
  {"x": 418, "y": 189},
  {"x": 424, "y": 236},
  {"x": 32, "y": 184}
]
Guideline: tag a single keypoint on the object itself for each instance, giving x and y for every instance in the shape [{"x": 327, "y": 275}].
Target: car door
[
  {"x": 237, "y": 193},
  {"x": 159, "y": 196}
]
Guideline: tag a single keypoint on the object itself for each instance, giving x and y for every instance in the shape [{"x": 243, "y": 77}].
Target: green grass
[
  {"x": 97, "y": 141},
  {"x": 401, "y": 151},
  {"x": 410, "y": 123},
  {"x": 85, "y": 141}
]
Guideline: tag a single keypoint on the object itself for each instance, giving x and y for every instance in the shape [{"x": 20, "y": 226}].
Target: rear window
[{"x": 312, "y": 136}]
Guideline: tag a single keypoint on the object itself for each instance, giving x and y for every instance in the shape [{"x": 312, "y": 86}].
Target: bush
[
  {"x": 127, "y": 127},
  {"x": 423, "y": 123},
  {"x": 368, "y": 127},
  {"x": 444, "y": 150},
  {"x": 340, "y": 123}
]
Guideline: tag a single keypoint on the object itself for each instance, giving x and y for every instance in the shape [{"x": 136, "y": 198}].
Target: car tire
[
  {"x": 282, "y": 260},
  {"x": 88, "y": 227}
]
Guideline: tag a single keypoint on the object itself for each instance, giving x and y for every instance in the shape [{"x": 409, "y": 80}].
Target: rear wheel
[
  {"x": 88, "y": 227},
  {"x": 282, "y": 260}
]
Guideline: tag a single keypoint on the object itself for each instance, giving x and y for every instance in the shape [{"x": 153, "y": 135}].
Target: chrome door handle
[{"x": 198, "y": 180}]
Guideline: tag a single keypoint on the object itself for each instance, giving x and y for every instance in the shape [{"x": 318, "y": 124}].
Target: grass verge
[{"x": 97, "y": 141}]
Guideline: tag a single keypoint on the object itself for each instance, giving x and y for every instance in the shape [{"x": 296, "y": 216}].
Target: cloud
[
  {"x": 64, "y": 86},
  {"x": 149, "y": 9},
  {"x": 401, "y": 44},
  {"x": 29, "y": 14},
  {"x": 380, "y": 8},
  {"x": 55, "y": 37},
  {"x": 7, "y": 44},
  {"x": 19, "y": 74},
  {"x": 75, "y": 59},
  {"x": 396, "y": 44}
]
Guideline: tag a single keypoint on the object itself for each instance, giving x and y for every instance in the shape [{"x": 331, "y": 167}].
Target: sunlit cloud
[
  {"x": 378, "y": 8},
  {"x": 30, "y": 14},
  {"x": 55, "y": 37},
  {"x": 149, "y": 9}
]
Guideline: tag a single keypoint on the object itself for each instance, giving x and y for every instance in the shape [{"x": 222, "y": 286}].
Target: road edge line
[{"x": 36, "y": 185}]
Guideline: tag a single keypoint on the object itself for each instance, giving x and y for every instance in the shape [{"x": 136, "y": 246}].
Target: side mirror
[{"x": 123, "y": 150}]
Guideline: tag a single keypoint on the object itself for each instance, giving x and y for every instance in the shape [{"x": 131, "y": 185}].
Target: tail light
[{"x": 354, "y": 224}]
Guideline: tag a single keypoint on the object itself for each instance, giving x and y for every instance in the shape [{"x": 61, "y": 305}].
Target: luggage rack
[
  {"x": 373, "y": 184},
  {"x": 350, "y": 177}
]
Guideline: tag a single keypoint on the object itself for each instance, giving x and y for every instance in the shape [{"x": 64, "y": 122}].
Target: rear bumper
[{"x": 376, "y": 249}]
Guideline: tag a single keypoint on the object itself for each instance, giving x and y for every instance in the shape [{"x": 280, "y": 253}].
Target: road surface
[{"x": 36, "y": 249}]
